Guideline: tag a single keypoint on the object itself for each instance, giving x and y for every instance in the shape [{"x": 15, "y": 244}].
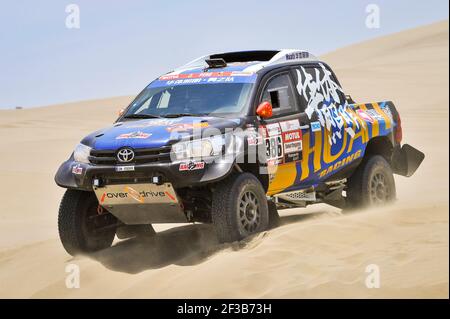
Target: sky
[{"x": 121, "y": 46}]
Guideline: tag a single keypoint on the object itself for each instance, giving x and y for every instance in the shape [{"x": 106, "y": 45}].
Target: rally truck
[{"x": 229, "y": 139}]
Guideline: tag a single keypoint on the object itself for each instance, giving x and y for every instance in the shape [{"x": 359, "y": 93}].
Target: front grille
[{"x": 141, "y": 156}]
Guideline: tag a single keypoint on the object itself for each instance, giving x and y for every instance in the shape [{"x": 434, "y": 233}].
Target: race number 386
[{"x": 274, "y": 147}]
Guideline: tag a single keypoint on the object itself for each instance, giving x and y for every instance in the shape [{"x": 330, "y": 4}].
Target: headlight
[
  {"x": 81, "y": 153},
  {"x": 201, "y": 148}
]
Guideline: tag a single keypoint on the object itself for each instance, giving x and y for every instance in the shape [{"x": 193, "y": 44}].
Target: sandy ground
[{"x": 317, "y": 252}]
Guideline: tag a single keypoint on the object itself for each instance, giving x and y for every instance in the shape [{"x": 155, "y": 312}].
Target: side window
[
  {"x": 280, "y": 93},
  {"x": 317, "y": 87}
]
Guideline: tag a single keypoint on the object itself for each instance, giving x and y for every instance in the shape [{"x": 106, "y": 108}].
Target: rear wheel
[
  {"x": 239, "y": 208},
  {"x": 372, "y": 184},
  {"x": 83, "y": 225}
]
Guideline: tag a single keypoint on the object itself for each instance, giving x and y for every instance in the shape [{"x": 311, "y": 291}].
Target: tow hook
[{"x": 100, "y": 209}]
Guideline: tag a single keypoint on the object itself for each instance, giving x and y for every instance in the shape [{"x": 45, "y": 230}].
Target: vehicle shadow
[{"x": 184, "y": 246}]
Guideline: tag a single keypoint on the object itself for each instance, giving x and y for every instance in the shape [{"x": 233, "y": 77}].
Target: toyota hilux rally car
[{"x": 229, "y": 139}]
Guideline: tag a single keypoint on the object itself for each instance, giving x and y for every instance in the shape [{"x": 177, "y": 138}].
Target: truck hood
[{"x": 154, "y": 133}]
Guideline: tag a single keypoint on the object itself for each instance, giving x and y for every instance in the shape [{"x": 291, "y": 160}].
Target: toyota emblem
[{"x": 125, "y": 155}]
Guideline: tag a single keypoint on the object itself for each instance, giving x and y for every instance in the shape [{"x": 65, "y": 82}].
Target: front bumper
[{"x": 74, "y": 175}]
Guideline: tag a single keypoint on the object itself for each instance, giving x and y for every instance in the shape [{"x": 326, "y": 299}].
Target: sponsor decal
[
  {"x": 341, "y": 163},
  {"x": 274, "y": 162},
  {"x": 292, "y": 157},
  {"x": 387, "y": 111},
  {"x": 134, "y": 194},
  {"x": 204, "y": 75},
  {"x": 293, "y": 147},
  {"x": 228, "y": 79},
  {"x": 262, "y": 131},
  {"x": 315, "y": 126},
  {"x": 130, "y": 192},
  {"x": 128, "y": 168},
  {"x": 323, "y": 97},
  {"x": 140, "y": 135},
  {"x": 204, "y": 78},
  {"x": 318, "y": 154},
  {"x": 252, "y": 140},
  {"x": 290, "y": 125},
  {"x": 375, "y": 115},
  {"x": 154, "y": 122},
  {"x": 77, "y": 169},
  {"x": 283, "y": 142},
  {"x": 186, "y": 126},
  {"x": 366, "y": 117},
  {"x": 292, "y": 136},
  {"x": 273, "y": 129},
  {"x": 190, "y": 166},
  {"x": 297, "y": 55}
]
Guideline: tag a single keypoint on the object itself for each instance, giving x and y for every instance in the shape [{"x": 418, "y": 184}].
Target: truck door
[{"x": 282, "y": 133}]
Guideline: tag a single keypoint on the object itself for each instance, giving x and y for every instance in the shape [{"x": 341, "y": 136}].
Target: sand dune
[{"x": 316, "y": 252}]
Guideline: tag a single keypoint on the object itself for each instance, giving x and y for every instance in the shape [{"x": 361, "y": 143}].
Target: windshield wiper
[
  {"x": 141, "y": 116},
  {"x": 172, "y": 115}
]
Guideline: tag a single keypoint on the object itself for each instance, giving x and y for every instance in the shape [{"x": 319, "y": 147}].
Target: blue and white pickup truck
[{"x": 229, "y": 139}]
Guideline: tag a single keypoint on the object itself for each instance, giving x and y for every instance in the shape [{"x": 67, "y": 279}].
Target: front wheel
[
  {"x": 83, "y": 226},
  {"x": 372, "y": 184},
  {"x": 239, "y": 208}
]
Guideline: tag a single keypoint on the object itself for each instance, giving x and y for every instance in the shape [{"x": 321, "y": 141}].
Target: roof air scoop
[{"x": 216, "y": 63}]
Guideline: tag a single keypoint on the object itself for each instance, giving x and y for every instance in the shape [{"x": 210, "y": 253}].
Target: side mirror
[
  {"x": 121, "y": 111},
  {"x": 264, "y": 110}
]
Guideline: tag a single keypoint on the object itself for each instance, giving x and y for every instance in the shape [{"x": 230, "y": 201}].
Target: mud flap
[
  {"x": 406, "y": 160},
  {"x": 136, "y": 204}
]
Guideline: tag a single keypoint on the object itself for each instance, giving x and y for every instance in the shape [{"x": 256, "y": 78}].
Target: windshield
[{"x": 162, "y": 99}]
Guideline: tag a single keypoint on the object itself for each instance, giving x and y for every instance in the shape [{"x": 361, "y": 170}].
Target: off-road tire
[
  {"x": 233, "y": 209},
  {"x": 76, "y": 237},
  {"x": 372, "y": 184}
]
